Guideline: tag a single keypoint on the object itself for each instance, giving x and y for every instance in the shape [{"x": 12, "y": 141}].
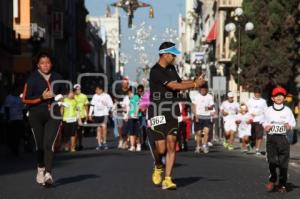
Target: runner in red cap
[{"x": 278, "y": 122}]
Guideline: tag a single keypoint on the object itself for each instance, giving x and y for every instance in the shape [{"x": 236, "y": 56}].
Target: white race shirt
[
  {"x": 277, "y": 119},
  {"x": 257, "y": 107},
  {"x": 202, "y": 102},
  {"x": 243, "y": 126},
  {"x": 126, "y": 106},
  {"x": 100, "y": 105},
  {"x": 232, "y": 108}
]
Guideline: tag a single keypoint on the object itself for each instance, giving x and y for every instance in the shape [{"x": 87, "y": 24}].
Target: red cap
[
  {"x": 279, "y": 90},
  {"x": 126, "y": 78}
]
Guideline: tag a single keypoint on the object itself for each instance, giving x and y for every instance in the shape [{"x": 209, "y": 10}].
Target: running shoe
[
  {"x": 230, "y": 147},
  {"x": 120, "y": 144},
  {"x": 72, "y": 150},
  {"x": 66, "y": 149},
  {"x": 249, "y": 148},
  {"x": 244, "y": 151},
  {"x": 138, "y": 147},
  {"x": 168, "y": 184},
  {"x": 40, "y": 175},
  {"x": 48, "y": 179},
  {"x": 198, "y": 149},
  {"x": 225, "y": 144},
  {"x": 257, "y": 152},
  {"x": 124, "y": 145},
  {"x": 99, "y": 147},
  {"x": 205, "y": 149},
  {"x": 156, "y": 175},
  {"x": 105, "y": 146},
  {"x": 270, "y": 186},
  {"x": 132, "y": 148},
  {"x": 282, "y": 189},
  {"x": 210, "y": 144}
]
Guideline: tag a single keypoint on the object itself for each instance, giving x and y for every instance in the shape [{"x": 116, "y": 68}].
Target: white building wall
[{"x": 111, "y": 25}]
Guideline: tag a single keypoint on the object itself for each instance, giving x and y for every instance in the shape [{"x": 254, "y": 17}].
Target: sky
[{"x": 166, "y": 13}]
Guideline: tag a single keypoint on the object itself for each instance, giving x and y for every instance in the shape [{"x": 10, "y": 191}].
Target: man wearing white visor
[{"x": 163, "y": 111}]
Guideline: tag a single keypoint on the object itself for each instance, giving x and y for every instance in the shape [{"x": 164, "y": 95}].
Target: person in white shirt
[
  {"x": 244, "y": 120},
  {"x": 229, "y": 109},
  {"x": 278, "y": 121},
  {"x": 203, "y": 104},
  {"x": 257, "y": 107},
  {"x": 99, "y": 110}
]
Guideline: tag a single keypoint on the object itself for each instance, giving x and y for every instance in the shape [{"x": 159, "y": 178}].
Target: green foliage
[{"x": 268, "y": 52}]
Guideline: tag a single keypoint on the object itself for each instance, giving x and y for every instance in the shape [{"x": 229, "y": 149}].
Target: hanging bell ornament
[{"x": 151, "y": 13}]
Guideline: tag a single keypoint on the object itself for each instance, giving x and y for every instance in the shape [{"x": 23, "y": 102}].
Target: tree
[
  {"x": 268, "y": 52},
  {"x": 297, "y": 61}
]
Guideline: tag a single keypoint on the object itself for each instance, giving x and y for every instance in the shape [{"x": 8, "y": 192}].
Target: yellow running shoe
[
  {"x": 225, "y": 144},
  {"x": 168, "y": 184},
  {"x": 230, "y": 147},
  {"x": 156, "y": 175}
]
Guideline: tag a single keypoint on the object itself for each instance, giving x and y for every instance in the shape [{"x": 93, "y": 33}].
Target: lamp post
[{"x": 238, "y": 22}]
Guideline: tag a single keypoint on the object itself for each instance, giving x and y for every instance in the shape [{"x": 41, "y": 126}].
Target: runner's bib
[
  {"x": 71, "y": 120},
  {"x": 158, "y": 120},
  {"x": 278, "y": 128}
]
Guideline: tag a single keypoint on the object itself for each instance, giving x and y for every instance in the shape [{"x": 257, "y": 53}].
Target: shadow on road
[
  {"x": 73, "y": 179},
  {"x": 182, "y": 182},
  {"x": 291, "y": 187}
]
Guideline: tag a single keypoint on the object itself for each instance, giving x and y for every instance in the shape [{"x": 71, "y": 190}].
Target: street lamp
[{"x": 238, "y": 22}]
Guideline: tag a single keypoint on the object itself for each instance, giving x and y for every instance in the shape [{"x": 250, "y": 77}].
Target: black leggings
[{"x": 45, "y": 130}]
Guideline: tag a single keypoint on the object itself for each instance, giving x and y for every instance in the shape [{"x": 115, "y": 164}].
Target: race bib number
[
  {"x": 158, "y": 120},
  {"x": 99, "y": 108},
  {"x": 71, "y": 120},
  {"x": 278, "y": 128},
  {"x": 243, "y": 128}
]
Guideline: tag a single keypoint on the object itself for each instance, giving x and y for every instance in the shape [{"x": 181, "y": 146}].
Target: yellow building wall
[{"x": 22, "y": 23}]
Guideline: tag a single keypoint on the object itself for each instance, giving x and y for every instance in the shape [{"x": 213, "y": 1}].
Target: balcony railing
[
  {"x": 9, "y": 40},
  {"x": 224, "y": 4}
]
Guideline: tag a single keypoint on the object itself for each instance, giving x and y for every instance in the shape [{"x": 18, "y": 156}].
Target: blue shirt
[{"x": 15, "y": 106}]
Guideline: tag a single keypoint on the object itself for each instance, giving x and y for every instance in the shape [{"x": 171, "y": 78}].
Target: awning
[
  {"x": 212, "y": 35},
  {"x": 84, "y": 45}
]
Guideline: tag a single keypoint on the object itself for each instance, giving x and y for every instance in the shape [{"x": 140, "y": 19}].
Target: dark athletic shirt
[{"x": 159, "y": 92}]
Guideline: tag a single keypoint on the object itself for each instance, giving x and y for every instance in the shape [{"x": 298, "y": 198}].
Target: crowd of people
[{"x": 59, "y": 116}]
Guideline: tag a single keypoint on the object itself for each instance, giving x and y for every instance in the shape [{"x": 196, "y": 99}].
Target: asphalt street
[{"x": 121, "y": 174}]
